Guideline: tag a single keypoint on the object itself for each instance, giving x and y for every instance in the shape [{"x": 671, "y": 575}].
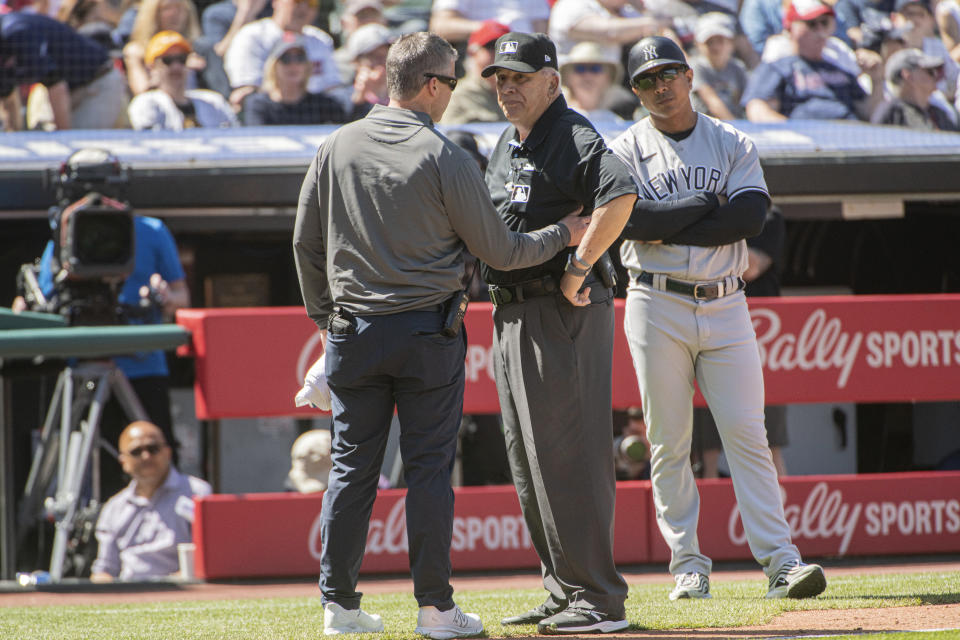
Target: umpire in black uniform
[
  {"x": 385, "y": 211},
  {"x": 553, "y": 337}
]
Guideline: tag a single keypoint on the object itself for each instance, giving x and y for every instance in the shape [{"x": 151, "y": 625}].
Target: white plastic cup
[{"x": 185, "y": 551}]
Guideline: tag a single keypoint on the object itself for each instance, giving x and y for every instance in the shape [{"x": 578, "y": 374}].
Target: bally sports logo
[
  {"x": 491, "y": 532},
  {"x": 823, "y": 344},
  {"x": 825, "y": 514}
]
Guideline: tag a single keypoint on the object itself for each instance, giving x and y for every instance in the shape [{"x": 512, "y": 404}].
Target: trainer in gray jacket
[{"x": 386, "y": 210}]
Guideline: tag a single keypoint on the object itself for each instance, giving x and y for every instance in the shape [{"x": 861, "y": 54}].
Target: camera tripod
[{"x": 73, "y": 449}]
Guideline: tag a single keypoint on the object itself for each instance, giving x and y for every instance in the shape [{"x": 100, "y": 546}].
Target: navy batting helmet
[{"x": 653, "y": 51}]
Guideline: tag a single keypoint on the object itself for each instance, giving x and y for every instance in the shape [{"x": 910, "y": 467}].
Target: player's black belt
[
  {"x": 507, "y": 293},
  {"x": 699, "y": 291}
]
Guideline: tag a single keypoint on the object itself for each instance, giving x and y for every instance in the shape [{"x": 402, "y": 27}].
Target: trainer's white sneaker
[
  {"x": 691, "y": 585},
  {"x": 444, "y": 625},
  {"x": 337, "y": 620},
  {"x": 797, "y": 579}
]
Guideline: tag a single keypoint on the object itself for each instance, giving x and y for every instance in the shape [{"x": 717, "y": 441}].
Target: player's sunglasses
[
  {"x": 293, "y": 57},
  {"x": 447, "y": 80},
  {"x": 646, "y": 81},
  {"x": 588, "y": 68},
  {"x": 177, "y": 58},
  {"x": 152, "y": 449}
]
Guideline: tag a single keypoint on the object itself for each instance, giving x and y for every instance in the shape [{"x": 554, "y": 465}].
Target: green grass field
[{"x": 734, "y": 604}]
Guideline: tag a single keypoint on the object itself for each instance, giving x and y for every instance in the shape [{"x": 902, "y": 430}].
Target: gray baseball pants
[
  {"x": 675, "y": 339},
  {"x": 553, "y": 365}
]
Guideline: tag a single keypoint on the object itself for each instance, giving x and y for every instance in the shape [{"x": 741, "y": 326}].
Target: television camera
[
  {"x": 93, "y": 244},
  {"x": 90, "y": 256}
]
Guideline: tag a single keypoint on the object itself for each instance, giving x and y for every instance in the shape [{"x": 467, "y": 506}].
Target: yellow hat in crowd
[{"x": 163, "y": 42}]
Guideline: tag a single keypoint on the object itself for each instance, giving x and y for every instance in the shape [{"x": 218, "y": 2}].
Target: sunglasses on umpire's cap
[{"x": 522, "y": 52}]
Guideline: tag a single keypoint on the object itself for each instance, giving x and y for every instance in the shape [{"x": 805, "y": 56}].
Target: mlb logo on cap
[
  {"x": 521, "y": 193},
  {"x": 522, "y": 52}
]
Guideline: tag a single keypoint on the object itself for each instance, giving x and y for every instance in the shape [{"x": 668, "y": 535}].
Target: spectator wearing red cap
[
  {"x": 475, "y": 99},
  {"x": 805, "y": 84}
]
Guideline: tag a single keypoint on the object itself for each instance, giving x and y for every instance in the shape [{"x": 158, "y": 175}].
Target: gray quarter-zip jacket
[{"x": 385, "y": 211}]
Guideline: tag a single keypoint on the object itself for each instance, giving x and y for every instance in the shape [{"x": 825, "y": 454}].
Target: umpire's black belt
[
  {"x": 698, "y": 291},
  {"x": 507, "y": 293}
]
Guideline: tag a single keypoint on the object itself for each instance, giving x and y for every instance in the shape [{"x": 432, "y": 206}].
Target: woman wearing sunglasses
[
  {"x": 587, "y": 78},
  {"x": 283, "y": 97}
]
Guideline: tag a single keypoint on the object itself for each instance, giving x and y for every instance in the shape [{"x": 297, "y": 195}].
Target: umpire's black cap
[
  {"x": 653, "y": 51},
  {"x": 523, "y": 52}
]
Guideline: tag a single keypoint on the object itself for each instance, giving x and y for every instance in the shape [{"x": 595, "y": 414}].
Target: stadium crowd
[{"x": 176, "y": 64}]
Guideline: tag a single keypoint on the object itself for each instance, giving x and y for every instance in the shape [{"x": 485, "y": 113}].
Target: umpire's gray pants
[{"x": 553, "y": 367}]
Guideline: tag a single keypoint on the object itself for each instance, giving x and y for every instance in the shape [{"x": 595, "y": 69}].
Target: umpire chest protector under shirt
[{"x": 562, "y": 164}]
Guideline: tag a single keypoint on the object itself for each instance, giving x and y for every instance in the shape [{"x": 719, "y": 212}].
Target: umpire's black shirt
[{"x": 562, "y": 164}]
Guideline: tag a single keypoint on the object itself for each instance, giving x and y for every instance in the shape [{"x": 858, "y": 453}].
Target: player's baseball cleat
[
  {"x": 444, "y": 625},
  {"x": 797, "y": 579},
  {"x": 691, "y": 585},
  {"x": 337, "y": 620},
  {"x": 531, "y": 617},
  {"x": 577, "y": 620}
]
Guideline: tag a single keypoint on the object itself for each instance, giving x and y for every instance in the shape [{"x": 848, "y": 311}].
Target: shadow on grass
[
  {"x": 925, "y": 598},
  {"x": 716, "y": 634}
]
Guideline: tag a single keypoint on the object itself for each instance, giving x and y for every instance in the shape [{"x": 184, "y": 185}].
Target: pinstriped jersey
[{"x": 714, "y": 157}]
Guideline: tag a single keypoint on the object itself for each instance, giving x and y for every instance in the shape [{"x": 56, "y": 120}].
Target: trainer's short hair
[{"x": 412, "y": 56}]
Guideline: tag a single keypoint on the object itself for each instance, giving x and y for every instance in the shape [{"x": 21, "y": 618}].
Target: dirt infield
[{"x": 791, "y": 624}]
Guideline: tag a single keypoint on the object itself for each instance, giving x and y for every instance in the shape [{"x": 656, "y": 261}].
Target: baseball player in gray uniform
[{"x": 702, "y": 192}]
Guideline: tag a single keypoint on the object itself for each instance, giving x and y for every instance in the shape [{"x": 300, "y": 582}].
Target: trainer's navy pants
[{"x": 398, "y": 360}]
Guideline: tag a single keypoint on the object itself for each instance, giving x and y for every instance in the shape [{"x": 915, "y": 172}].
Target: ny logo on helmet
[{"x": 649, "y": 53}]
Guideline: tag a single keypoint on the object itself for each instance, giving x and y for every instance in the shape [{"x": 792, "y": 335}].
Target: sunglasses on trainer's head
[
  {"x": 646, "y": 81},
  {"x": 153, "y": 449},
  {"x": 447, "y": 80}
]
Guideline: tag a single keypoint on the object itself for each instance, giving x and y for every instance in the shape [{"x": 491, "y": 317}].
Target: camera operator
[{"x": 158, "y": 278}]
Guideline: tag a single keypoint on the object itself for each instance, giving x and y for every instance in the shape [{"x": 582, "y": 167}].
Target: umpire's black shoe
[
  {"x": 576, "y": 620},
  {"x": 531, "y": 617}
]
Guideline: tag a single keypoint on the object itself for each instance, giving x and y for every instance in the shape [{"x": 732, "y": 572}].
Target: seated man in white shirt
[
  {"x": 139, "y": 528},
  {"x": 171, "y": 106}
]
